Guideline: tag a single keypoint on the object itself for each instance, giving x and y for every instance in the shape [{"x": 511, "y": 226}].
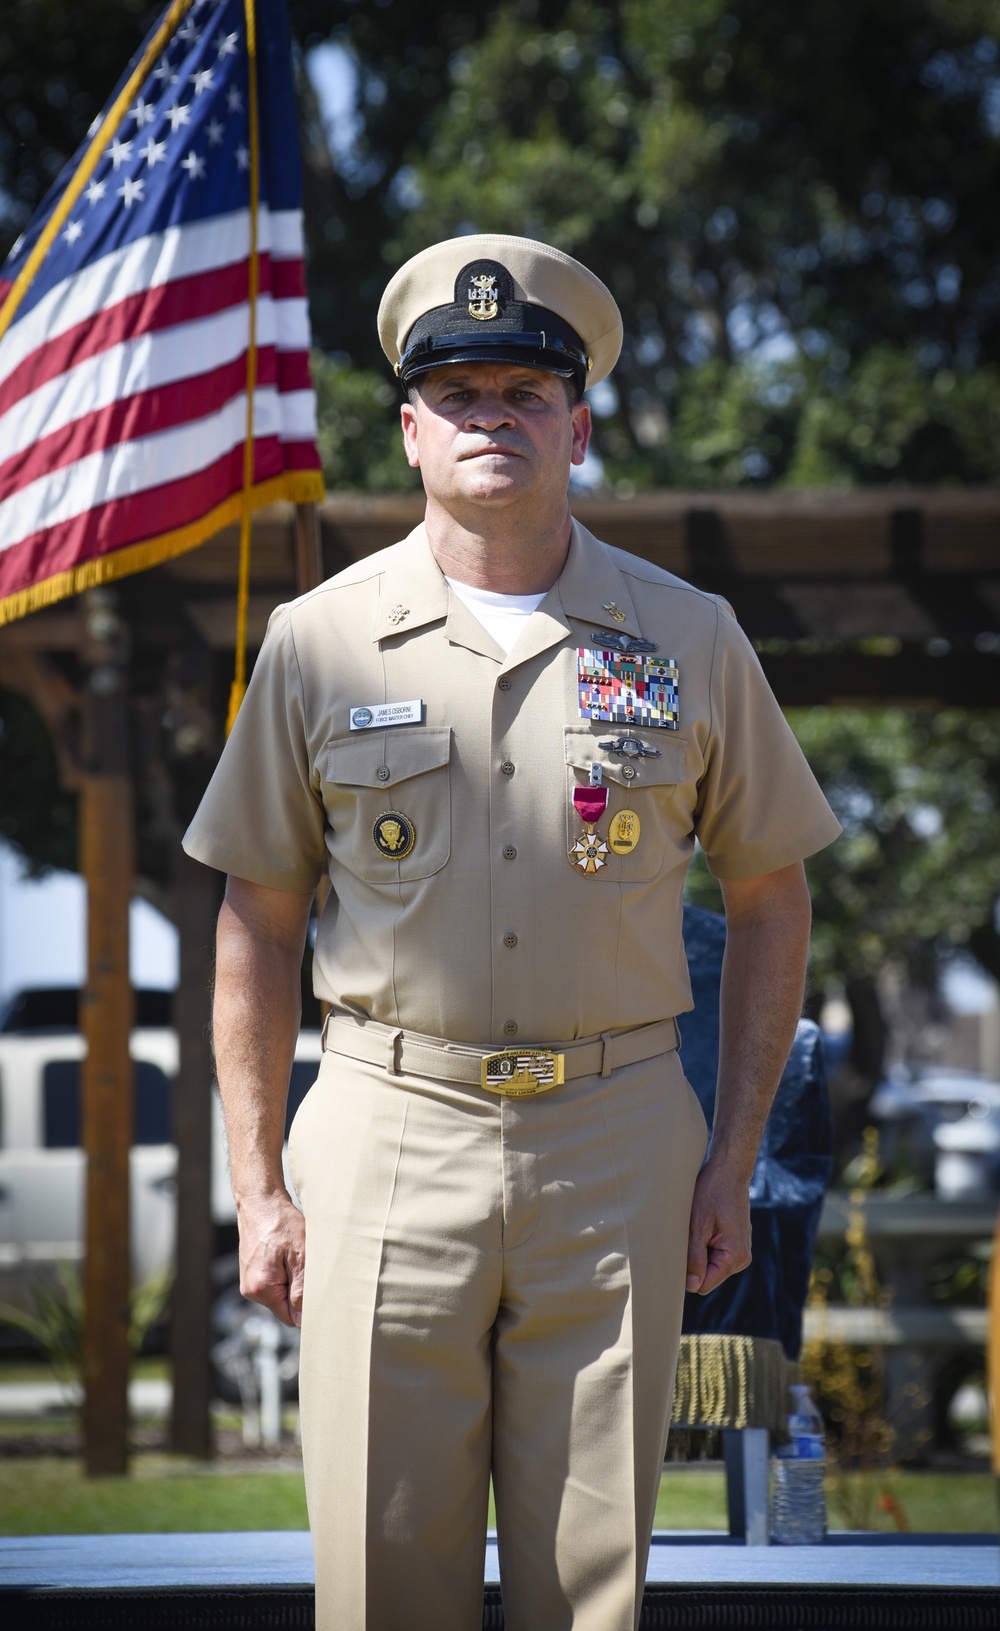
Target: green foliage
[
  {"x": 36, "y": 815},
  {"x": 916, "y": 874},
  {"x": 795, "y": 207},
  {"x": 359, "y": 438},
  {"x": 55, "y": 1322}
]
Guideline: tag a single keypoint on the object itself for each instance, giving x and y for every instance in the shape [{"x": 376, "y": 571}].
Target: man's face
[{"x": 493, "y": 434}]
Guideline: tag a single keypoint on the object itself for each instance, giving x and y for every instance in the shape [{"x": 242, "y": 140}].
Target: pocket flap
[
  {"x": 583, "y": 748},
  {"x": 382, "y": 758}
]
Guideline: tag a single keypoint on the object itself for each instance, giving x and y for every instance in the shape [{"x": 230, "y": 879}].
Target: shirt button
[
  {"x": 628, "y": 771},
  {"x": 509, "y": 852},
  {"x": 507, "y": 768},
  {"x": 510, "y": 1028},
  {"x": 510, "y": 939},
  {"x": 504, "y": 684},
  {"x": 383, "y": 773}
]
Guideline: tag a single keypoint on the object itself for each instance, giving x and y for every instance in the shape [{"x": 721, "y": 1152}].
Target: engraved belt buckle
[{"x": 519, "y": 1073}]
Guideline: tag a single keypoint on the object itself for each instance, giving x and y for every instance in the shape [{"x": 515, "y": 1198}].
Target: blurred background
[{"x": 795, "y": 205}]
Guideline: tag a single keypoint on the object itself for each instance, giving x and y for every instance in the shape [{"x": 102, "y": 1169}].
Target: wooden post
[
  {"x": 190, "y": 741},
  {"x": 191, "y": 1317},
  {"x": 107, "y": 842},
  {"x": 308, "y": 548}
]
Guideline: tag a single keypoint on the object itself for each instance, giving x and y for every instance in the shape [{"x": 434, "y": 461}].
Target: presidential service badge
[
  {"x": 628, "y": 687},
  {"x": 394, "y": 835}
]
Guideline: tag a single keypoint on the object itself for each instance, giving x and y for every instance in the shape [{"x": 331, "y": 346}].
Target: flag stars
[
  {"x": 165, "y": 73},
  {"x": 234, "y": 99},
  {"x": 243, "y": 156},
  {"x": 195, "y": 166},
  {"x": 202, "y": 81},
  {"x": 189, "y": 32},
  {"x": 95, "y": 192},
  {"x": 74, "y": 230},
  {"x": 143, "y": 112},
  {"x": 215, "y": 133},
  {"x": 179, "y": 114},
  {"x": 119, "y": 153},
  {"x": 132, "y": 191},
  {"x": 225, "y": 44},
  {"x": 154, "y": 153}
]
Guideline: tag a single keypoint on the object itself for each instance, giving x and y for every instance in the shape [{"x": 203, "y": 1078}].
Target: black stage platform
[{"x": 699, "y": 1582}]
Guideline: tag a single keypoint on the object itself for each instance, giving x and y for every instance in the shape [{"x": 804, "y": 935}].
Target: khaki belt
[{"x": 514, "y": 1072}]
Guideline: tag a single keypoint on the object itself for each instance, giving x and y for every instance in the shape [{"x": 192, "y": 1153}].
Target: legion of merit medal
[{"x": 590, "y": 852}]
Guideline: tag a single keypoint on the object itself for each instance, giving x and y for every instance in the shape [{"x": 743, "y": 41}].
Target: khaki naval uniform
[{"x": 493, "y": 1281}]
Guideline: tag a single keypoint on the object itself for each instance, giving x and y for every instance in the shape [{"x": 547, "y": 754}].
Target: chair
[{"x": 740, "y": 1344}]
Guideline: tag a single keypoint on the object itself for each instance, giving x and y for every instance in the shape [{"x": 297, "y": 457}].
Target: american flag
[{"x": 123, "y": 371}]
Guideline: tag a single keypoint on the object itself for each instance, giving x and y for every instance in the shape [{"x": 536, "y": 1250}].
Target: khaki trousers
[{"x": 492, "y": 1285}]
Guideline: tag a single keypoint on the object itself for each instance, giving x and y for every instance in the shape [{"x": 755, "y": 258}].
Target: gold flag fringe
[
  {"x": 733, "y": 1381},
  {"x": 295, "y": 486}
]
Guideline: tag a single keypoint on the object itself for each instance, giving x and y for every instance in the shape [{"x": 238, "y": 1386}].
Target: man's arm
[
  {"x": 763, "y": 976},
  {"x": 258, "y": 1006}
]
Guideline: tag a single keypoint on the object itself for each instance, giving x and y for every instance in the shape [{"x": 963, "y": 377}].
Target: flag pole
[{"x": 238, "y": 687}]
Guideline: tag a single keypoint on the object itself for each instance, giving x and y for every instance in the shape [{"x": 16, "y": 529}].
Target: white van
[{"x": 42, "y": 1166}]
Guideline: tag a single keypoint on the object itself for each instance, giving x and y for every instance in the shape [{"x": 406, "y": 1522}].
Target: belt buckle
[{"x": 520, "y": 1073}]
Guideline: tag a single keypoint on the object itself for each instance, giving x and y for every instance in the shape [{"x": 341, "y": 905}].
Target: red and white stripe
[{"x": 123, "y": 392}]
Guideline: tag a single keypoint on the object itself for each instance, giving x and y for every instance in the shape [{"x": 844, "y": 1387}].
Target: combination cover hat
[{"x": 492, "y": 298}]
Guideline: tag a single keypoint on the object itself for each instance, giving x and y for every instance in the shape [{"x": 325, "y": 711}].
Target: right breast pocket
[{"x": 388, "y": 802}]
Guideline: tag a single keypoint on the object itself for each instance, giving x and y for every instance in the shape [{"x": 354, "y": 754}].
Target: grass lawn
[{"x": 49, "y": 1496}]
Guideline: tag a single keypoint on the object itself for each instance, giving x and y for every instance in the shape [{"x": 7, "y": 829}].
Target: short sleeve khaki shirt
[{"x": 485, "y": 924}]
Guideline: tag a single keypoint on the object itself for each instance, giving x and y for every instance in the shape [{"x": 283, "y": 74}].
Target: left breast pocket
[
  {"x": 388, "y": 802},
  {"x": 652, "y": 790}
]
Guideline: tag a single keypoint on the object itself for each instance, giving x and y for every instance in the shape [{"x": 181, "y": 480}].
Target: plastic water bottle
[{"x": 798, "y": 1501}]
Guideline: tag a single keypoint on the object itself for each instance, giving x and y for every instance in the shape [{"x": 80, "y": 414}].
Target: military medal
[
  {"x": 394, "y": 835},
  {"x": 590, "y": 852},
  {"x": 623, "y": 833}
]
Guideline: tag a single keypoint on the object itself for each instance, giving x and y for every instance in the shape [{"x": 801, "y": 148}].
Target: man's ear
[
  {"x": 582, "y": 427},
  {"x": 408, "y": 419}
]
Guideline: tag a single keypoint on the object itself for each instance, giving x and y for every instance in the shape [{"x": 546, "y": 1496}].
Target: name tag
[{"x": 379, "y": 714}]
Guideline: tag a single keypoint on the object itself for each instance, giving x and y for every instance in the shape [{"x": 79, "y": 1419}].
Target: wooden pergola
[{"x": 865, "y": 597}]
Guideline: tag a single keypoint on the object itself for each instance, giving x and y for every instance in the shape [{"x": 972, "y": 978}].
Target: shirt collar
[
  {"x": 413, "y": 591},
  {"x": 592, "y": 589}
]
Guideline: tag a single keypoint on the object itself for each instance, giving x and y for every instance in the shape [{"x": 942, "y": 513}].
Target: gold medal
[
  {"x": 394, "y": 835},
  {"x": 589, "y": 853},
  {"x": 623, "y": 833}
]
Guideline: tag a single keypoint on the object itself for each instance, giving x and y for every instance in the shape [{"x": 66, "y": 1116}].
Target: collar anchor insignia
[
  {"x": 397, "y": 614},
  {"x": 615, "y": 612},
  {"x": 483, "y": 303}
]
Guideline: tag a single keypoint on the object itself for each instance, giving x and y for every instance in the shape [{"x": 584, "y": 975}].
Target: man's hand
[
  {"x": 257, "y": 1007},
  {"x": 273, "y": 1255},
  {"x": 719, "y": 1234},
  {"x": 767, "y": 939}
]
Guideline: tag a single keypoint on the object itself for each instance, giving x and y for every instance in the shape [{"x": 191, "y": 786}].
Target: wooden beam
[{"x": 107, "y": 843}]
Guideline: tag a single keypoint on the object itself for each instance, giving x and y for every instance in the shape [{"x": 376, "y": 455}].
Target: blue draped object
[{"x": 792, "y": 1171}]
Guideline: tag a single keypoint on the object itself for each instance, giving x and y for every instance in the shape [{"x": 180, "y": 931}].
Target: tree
[
  {"x": 914, "y": 881},
  {"x": 779, "y": 194}
]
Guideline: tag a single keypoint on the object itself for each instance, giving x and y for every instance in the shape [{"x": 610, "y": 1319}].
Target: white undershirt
[{"x": 502, "y": 616}]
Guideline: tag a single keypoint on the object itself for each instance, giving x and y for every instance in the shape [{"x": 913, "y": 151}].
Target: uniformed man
[{"x": 500, "y": 738}]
